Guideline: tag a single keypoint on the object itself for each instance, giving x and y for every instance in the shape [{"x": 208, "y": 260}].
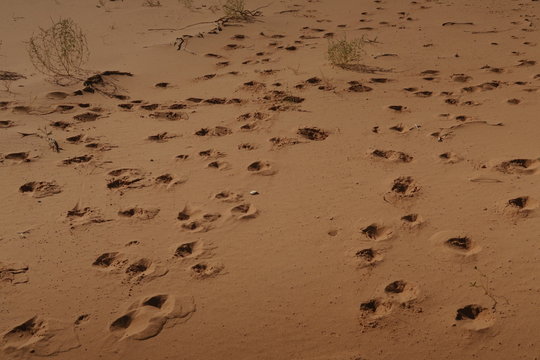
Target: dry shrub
[
  {"x": 236, "y": 10},
  {"x": 345, "y": 52},
  {"x": 59, "y": 51}
]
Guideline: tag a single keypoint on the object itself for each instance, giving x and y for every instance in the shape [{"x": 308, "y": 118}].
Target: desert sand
[{"x": 243, "y": 198}]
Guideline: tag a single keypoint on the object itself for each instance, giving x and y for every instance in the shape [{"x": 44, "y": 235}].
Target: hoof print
[
  {"x": 39, "y": 337},
  {"x": 40, "y": 189},
  {"x": 147, "y": 317},
  {"x": 261, "y": 168},
  {"x": 205, "y": 271}
]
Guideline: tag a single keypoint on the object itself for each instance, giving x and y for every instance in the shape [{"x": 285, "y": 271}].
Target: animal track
[
  {"x": 40, "y": 189},
  {"x": 228, "y": 196},
  {"x": 521, "y": 206},
  {"x": 391, "y": 155},
  {"x": 4, "y": 124},
  {"x": 194, "y": 221},
  {"x": 137, "y": 271},
  {"x": 404, "y": 187},
  {"x": 261, "y": 168},
  {"x": 148, "y": 316},
  {"x": 17, "y": 157},
  {"x": 86, "y": 117},
  {"x": 450, "y": 158},
  {"x": 83, "y": 216},
  {"x": 216, "y": 131},
  {"x": 204, "y": 271},
  {"x": 412, "y": 221},
  {"x": 368, "y": 257},
  {"x": 78, "y": 160},
  {"x": 475, "y": 317},
  {"x": 185, "y": 250},
  {"x": 122, "y": 179},
  {"x": 39, "y": 337},
  {"x": 377, "y": 232},
  {"x": 13, "y": 274},
  {"x": 313, "y": 133},
  {"x": 170, "y": 115},
  {"x": 519, "y": 166},
  {"x": 244, "y": 211},
  {"x": 139, "y": 213}
]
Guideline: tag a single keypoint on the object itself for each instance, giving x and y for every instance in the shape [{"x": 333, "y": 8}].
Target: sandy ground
[{"x": 264, "y": 204}]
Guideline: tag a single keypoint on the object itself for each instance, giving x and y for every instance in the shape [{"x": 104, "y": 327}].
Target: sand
[{"x": 261, "y": 203}]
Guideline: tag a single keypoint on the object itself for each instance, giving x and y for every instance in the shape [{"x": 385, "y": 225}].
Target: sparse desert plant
[
  {"x": 152, "y": 3},
  {"x": 236, "y": 10},
  {"x": 59, "y": 51},
  {"x": 188, "y": 4},
  {"x": 345, "y": 52}
]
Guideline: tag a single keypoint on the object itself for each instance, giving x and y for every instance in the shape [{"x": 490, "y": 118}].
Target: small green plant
[
  {"x": 59, "y": 51},
  {"x": 345, "y": 52}
]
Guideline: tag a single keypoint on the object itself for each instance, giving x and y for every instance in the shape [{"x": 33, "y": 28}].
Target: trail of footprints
[{"x": 146, "y": 317}]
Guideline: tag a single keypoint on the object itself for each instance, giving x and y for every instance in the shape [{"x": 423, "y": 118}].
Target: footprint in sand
[
  {"x": 161, "y": 137},
  {"x": 86, "y": 117},
  {"x": 450, "y": 157},
  {"x": 313, "y": 133},
  {"x": 4, "y": 124},
  {"x": 77, "y": 160},
  {"x": 39, "y": 337},
  {"x": 147, "y": 317},
  {"x": 375, "y": 310},
  {"x": 519, "y": 166},
  {"x": 122, "y": 179},
  {"x": 475, "y": 317},
  {"x": 139, "y": 213},
  {"x": 186, "y": 250},
  {"x": 170, "y": 115},
  {"x": 455, "y": 242},
  {"x": 398, "y": 295},
  {"x": 169, "y": 181},
  {"x": 194, "y": 220},
  {"x": 40, "y": 189},
  {"x": 13, "y": 274},
  {"x": 56, "y": 95},
  {"x": 16, "y": 157},
  {"x": 281, "y": 142},
  {"x": 377, "y": 232},
  {"x": 79, "y": 216},
  {"x": 368, "y": 257},
  {"x": 401, "y": 291},
  {"x": 391, "y": 155},
  {"x": 404, "y": 187},
  {"x": 136, "y": 271},
  {"x": 412, "y": 221},
  {"x": 519, "y": 207},
  {"x": 228, "y": 196},
  {"x": 204, "y": 270},
  {"x": 244, "y": 211},
  {"x": 264, "y": 168}
]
